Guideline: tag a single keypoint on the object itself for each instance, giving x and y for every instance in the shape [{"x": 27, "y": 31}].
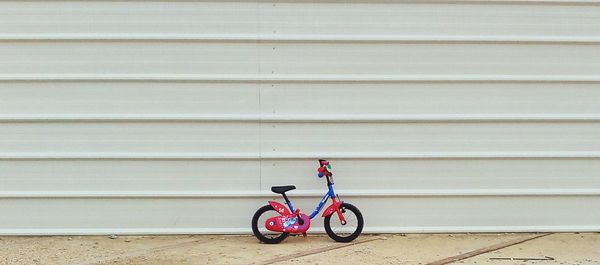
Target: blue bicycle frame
[{"x": 330, "y": 194}]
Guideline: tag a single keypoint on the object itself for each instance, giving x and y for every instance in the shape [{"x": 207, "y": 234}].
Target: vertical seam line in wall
[{"x": 260, "y": 86}]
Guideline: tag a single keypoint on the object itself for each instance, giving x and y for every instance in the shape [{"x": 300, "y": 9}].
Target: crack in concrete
[{"x": 487, "y": 249}]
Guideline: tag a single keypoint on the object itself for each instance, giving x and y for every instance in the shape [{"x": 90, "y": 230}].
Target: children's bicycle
[{"x": 274, "y": 222}]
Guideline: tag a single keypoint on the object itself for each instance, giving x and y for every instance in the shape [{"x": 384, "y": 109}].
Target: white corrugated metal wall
[{"x": 177, "y": 116}]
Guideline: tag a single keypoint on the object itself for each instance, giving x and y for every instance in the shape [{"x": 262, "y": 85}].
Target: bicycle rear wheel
[{"x": 259, "y": 229}]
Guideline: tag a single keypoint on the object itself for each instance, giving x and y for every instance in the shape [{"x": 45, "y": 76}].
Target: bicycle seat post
[{"x": 285, "y": 197}]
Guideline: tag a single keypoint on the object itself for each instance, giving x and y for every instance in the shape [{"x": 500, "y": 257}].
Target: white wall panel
[
  {"x": 432, "y": 18},
  {"x": 276, "y": 58},
  {"x": 329, "y": 139},
  {"x": 428, "y": 58},
  {"x": 328, "y": 18},
  {"x": 119, "y": 176},
  {"x": 128, "y": 98},
  {"x": 178, "y": 116},
  {"x": 182, "y": 215},
  {"x": 125, "y": 17},
  {"x": 113, "y": 57},
  {"x": 405, "y": 176},
  {"x": 135, "y": 137},
  {"x": 321, "y": 100}
]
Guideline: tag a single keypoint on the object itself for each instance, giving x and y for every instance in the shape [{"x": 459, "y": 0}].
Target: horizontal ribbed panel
[
  {"x": 390, "y": 18},
  {"x": 129, "y": 137},
  {"x": 430, "y": 137},
  {"x": 293, "y": 58},
  {"x": 177, "y": 116},
  {"x": 402, "y": 214},
  {"x": 394, "y": 175}
]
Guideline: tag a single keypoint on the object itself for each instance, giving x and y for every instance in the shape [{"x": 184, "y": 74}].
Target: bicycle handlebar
[{"x": 324, "y": 168}]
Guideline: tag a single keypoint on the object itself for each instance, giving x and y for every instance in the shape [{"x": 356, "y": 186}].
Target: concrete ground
[{"x": 434, "y": 249}]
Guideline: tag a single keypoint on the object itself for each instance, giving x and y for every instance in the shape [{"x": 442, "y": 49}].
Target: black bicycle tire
[{"x": 257, "y": 233}]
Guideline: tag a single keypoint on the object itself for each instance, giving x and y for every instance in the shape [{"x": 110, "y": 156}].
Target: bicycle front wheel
[{"x": 348, "y": 231}]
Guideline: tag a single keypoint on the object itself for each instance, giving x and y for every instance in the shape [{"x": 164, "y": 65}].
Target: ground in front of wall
[{"x": 434, "y": 249}]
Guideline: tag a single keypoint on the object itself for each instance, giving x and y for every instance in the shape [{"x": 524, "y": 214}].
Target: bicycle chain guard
[{"x": 288, "y": 223}]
